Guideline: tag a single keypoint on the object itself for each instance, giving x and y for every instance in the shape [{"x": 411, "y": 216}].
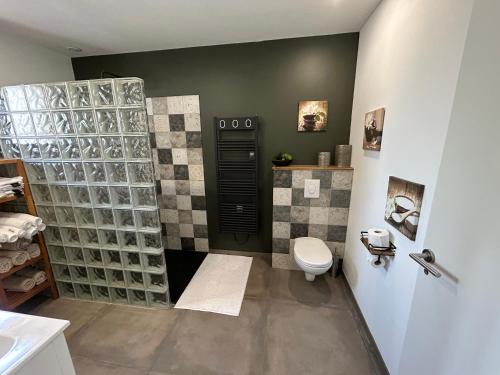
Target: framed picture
[
  {"x": 374, "y": 126},
  {"x": 313, "y": 115},
  {"x": 404, "y": 202}
]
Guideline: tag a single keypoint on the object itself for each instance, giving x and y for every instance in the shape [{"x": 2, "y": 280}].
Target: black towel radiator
[{"x": 237, "y": 174}]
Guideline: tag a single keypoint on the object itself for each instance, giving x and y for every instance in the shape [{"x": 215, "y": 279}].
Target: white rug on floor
[{"x": 218, "y": 286}]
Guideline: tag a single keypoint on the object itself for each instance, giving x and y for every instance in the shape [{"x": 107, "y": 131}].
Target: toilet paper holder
[{"x": 376, "y": 250}]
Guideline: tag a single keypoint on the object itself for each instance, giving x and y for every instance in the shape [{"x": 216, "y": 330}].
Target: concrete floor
[{"x": 286, "y": 326}]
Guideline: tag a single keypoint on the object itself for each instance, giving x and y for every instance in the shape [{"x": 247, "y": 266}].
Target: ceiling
[{"x": 118, "y": 26}]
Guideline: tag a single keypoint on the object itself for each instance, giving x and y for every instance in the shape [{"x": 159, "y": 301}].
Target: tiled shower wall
[
  {"x": 175, "y": 131},
  {"x": 87, "y": 154},
  {"x": 295, "y": 216}
]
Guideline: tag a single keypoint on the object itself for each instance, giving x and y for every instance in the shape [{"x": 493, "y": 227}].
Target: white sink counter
[{"x": 22, "y": 337}]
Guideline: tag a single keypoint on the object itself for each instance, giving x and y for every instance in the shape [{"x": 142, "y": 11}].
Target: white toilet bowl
[{"x": 312, "y": 256}]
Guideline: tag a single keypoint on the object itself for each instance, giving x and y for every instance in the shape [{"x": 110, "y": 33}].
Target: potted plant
[{"x": 282, "y": 159}]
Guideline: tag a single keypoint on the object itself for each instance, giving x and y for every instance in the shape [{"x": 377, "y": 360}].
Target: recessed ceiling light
[{"x": 74, "y": 49}]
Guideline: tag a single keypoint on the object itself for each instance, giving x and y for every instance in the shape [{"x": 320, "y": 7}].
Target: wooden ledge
[{"x": 311, "y": 168}]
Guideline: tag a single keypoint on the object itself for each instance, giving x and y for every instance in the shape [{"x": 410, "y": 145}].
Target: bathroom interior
[{"x": 222, "y": 187}]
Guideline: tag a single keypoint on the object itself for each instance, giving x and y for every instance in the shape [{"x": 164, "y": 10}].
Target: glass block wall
[{"x": 87, "y": 154}]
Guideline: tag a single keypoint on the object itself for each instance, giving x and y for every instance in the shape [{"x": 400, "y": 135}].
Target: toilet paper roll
[
  {"x": 378, "y": 237},
  {"x": 377, "y": 263}
]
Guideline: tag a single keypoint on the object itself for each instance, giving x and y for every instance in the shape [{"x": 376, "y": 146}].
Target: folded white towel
[
  {"x": 41, "y": 227},
  {"x": 11, "y": 234},
  {"x": 17, "y": 257},
  {"x": 15, "y": 222},
  {"x": 34, "y": 250},
  {"x": 20, "y": 244},
  {"x": 11, "y": 180},
  {"x": 38, "y": 275},
  {"x": 29, "y": 233},
  {"x": 5, "y": 264},
  {"x": 19, "y": 283},
  {"x": 34, "y": 220}
]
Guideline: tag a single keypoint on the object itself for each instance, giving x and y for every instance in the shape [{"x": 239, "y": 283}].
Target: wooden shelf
[
  {"x": 13, "y": 270},
  {"x": 311, "y": 168},
  {"x": 10, "y": 300},
  {"x": 9, "y": 161},
  {"x": 8, "y": 199},
  {"x": 14, "y": 299},
  {"x": 389, "y": 253}
]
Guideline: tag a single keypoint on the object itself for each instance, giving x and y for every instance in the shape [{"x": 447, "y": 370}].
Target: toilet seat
[
  {"x": 304, "y": 266},
  {"x": 312, "y": 253}
]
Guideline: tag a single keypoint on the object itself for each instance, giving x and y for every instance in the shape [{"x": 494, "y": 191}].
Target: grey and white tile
[
  {"x": 178, "y": 139},
  {"x": 340, "y": 198},
  {"x": 192, "y": 122},
  {"x": 282, "y": 196},
  {"x": 338, "y": 216},
  {"x": 179, "y": 156},
  {"x": 342, "y": 180},
  {"x": 196, "y": 173},
  {"x": 336, "y": 233},
  {"x": 282, "y": 179},
  {"x": 281, "y": 213},
  {"x": 195, "y": 156},
  {"x": 175, "y": 105},
  {"x": 281, "y": 230},
  {"x": 299, "y": 214},
  {"x": 318, "y": 231},
  {"x": 199, "y": 217},
  {"x": 197, "y": 187},
  {"x": 298, "y": 198},
  {"x": 318, "y": 215},
  {"x": 298, "y": 178},
  {"x": 281, "y": 245}
]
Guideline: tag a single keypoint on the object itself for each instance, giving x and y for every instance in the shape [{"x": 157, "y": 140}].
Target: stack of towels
[
  {"x": 16, "y": 254},
  {"x": 14, "y": 225},
  {"x": 24, "y": 280},
  {"x": 16, "y": 248},
  {"x": 11, "y": 186}
]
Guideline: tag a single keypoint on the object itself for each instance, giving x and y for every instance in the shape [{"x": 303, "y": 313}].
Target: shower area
[{"x": 88, "y": 153}]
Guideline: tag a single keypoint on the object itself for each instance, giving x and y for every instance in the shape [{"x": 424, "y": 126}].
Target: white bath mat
[{"x": 218, "y": 286}]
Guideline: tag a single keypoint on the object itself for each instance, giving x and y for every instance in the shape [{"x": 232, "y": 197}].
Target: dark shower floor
[{"x": 181, "y": 266}]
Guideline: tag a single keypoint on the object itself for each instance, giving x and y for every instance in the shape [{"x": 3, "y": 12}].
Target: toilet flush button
[{"x": 311, "y": 188}]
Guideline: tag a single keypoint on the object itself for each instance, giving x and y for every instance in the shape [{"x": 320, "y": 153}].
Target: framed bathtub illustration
[{"x": 403, "y": 206}]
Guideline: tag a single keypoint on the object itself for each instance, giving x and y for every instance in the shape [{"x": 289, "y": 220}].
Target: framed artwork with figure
[{"x": 374, "y": 127}]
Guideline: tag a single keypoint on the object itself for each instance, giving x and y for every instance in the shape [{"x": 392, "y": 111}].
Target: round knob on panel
[
  {"x": 222, "y": 124},
  {"x": 248, "y": 123}
]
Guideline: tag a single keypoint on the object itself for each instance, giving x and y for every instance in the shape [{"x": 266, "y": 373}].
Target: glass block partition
[{"x": 87, "y": 154}]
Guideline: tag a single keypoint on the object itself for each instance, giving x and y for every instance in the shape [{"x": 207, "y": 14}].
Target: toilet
[{"x": 312, "y": 256}]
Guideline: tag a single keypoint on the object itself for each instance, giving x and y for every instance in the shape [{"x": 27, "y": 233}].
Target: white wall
[
  {"x": 408, "y": 62},
  {"x": 454, "y": 325},
  {"x": 24, "y": 62}
]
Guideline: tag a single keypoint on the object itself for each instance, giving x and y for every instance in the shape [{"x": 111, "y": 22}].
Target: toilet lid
[{"x": 312, "y": 251}]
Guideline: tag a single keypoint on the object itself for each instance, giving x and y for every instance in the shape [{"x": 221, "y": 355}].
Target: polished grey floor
[{"x": 286, "y": 326}]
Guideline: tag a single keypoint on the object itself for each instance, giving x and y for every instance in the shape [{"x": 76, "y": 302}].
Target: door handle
[{"x": 426, "y": 259}]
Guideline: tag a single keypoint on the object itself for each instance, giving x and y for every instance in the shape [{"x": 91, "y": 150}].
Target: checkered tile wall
[
  {"x": 175, "y": 134},
  {"x": 295, "y": 216}
]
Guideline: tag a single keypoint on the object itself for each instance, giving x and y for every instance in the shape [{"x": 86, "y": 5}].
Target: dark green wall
[{"x": 266, "y": 79}]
